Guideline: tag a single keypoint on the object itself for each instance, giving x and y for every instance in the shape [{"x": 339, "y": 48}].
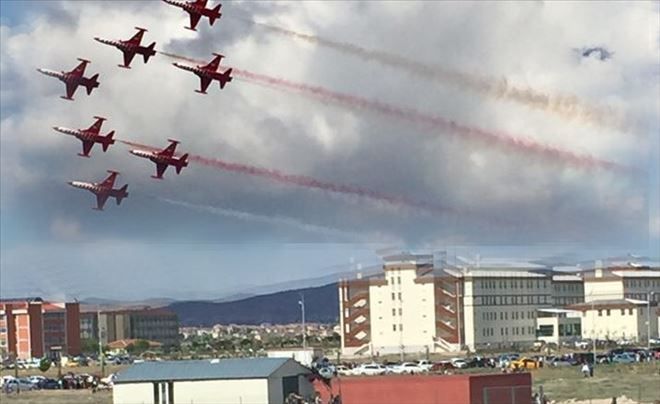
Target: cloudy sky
[{"x": 476, "y": 125}]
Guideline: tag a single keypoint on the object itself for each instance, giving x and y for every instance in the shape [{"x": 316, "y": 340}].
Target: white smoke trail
[{"x": 274, "y": 220}]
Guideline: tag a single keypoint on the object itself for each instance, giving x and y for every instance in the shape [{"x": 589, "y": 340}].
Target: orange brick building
[{"x": 30, "y": 327}]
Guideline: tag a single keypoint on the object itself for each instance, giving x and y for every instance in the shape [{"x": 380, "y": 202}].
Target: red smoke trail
[
  {"x": 434, "y": 122},
  {"x": 566, "y": 106},
  {"x": 304, "y": 181}
]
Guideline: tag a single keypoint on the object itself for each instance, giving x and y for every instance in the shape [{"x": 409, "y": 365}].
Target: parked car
[
  {"x": 558, "y": 362},
  {"x": 35, "y": 379},
  {"x": 48, "y": 384},
  {"x": 425, "y": 364},
  {"x": 623, "y": 358},
  {"x": 524, "y": 363},
  {"x": 22, "y": 384},
  {"x": 407, "y": 367},
  {"x": 343, "y": 370},
  {"x": 370, "y": 369},
  {"x": 326, "y": 372},
  {"x": 442, "y": 366},
  {"x": 459, "y": 363}
]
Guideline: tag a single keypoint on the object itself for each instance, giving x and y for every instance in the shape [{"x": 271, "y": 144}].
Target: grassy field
[
  {"x": 52, "y": 372},
  {"x": 639, "y": 382},
  {"x": 58, "y": 396}
]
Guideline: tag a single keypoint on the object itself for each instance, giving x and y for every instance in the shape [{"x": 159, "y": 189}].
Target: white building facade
[{"x": 230, "y": 381}]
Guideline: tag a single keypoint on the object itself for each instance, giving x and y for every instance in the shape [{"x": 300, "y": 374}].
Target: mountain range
[{"x": 321, "y": 306}]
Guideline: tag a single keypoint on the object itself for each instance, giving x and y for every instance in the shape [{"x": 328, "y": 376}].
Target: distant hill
[
  {"x": 93, "y": 304},
  {"x": 321, "y": 305}
]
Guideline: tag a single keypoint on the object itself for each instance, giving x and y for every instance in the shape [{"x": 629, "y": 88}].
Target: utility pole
[
  {"x": 593, "y": 341},
  {"x": 100, "y": 333},
  {"x": 649, "y": 295},
  {"x": 301, "y": 302}
]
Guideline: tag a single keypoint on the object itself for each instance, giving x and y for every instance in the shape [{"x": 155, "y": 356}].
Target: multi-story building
[
  {"x": 407, "y": 308},
  {"x": 628, "y": 281},
  {"x": 158, "y": 325},
  {"x": 500, "y": 301},
  {"x": 32, "y": 328},
  {"x": 416, "y": 306},
  {"x": 567, "y": 288},
  {"x": 618, "y": 319}
]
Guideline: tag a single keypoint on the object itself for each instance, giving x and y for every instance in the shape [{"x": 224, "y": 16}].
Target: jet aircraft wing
[
  {"x": 79, "y": 70},
  {"x": 137, "y": 38},
  {"x": 205, "y": 82},
  {"x": 101, "y": 199},
  {"x": 128, "y": 57},
  {"x": 194, "y": 19},
  {"x": 87, "y": 147},
  {"x": 96, "y": 126},
  {"x": 71, "y": 89},
  {"x": 110, "y": 181},
  {"x": 160, "y": 169}
]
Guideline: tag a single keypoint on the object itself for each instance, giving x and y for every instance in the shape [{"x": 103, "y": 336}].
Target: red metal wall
[
  {"x": 36, "y": 330},
  {"x": 431, "y": 389},
  {"x": 73, "y": 328}
]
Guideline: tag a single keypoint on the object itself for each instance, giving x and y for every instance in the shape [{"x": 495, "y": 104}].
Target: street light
[
  {"x": 649, "y": 295},
  {"x": 301, "y": 302}
]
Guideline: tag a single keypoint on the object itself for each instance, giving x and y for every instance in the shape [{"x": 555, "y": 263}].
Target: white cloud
[
  {"x": 528, "y": 43},
  {"x": 65, "y": 229}
]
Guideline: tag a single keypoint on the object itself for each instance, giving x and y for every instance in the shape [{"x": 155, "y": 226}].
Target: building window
[
  {"x": 608, "y": 312},
  {"x": 400, "y": 311},
  {"x": 393, "y": 296},
  {"x": 400, "y": 327},
  {"x": 399, "y": 296},
  {"x": 398, "y": 279},
  {"x": 393, "y": 327},
  {"x": 600, "y": 313},
  {"x": 394, "y": 312},
  {"x": 630, "y": 311}
]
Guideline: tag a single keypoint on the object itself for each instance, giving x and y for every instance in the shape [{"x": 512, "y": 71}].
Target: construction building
[
  {"x": 158, "y": 325},
  {"x": 33, "y": 328},
  {"x": 417, "y": 305}
]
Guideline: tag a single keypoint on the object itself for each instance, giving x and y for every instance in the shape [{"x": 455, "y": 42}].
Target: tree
[
  {"x": 44, "y": 364},
  {"x": 138, "y": 347},
  {"x": 89, "y": 345}
]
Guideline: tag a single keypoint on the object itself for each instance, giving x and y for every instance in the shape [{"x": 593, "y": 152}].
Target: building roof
[
  {"x": 408, "y": 258},
  {"x": 566, "y": 278},
  {"x": 609, "y": 304},
  {"x": 124, "y": 343},
  {"x": 214, "y": 369},
  {"x": 553, "y": 310},
  {"x": 494, "y": 273},
  {"x": 648, "y": 273}
]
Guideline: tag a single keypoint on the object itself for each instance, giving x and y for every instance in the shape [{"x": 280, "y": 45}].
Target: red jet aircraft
[
  {"x": 208, "y": 73},
  {"x": 103, "y": 190},
  {"x": 197, "y": 9},
  {"x": 164, "y": 158},
  {"x": 74, "y": 78},
  {"x": 90, "y": 136},
  {"x": 131, "y": 47}
]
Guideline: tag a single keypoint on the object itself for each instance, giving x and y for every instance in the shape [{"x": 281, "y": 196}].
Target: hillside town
[{"x": 421, "y": 314}]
